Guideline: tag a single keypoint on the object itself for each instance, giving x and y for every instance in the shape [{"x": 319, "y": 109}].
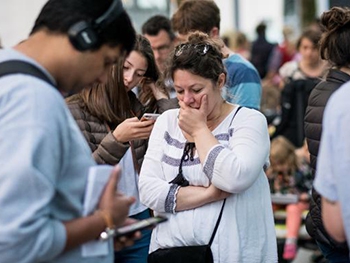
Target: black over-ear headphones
[{"x": 85, "y": 35}]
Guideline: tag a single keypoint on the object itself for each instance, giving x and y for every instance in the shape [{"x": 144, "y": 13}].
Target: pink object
[{"x": 289, "y": 251}]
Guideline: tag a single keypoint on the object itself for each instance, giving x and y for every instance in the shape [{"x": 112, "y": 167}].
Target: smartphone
[
  {"x": 140, "y": 225},
  {"x": 150, "y": 116}
]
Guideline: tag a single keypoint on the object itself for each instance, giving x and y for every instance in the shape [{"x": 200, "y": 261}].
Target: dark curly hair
[
  {"x": 200, "y": 55},
  {"x": 335, "y": 41}
]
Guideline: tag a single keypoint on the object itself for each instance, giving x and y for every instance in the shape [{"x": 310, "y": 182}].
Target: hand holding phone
[
  {"x": 129, "y": 230},
  {"x": 140, "y": 225}
]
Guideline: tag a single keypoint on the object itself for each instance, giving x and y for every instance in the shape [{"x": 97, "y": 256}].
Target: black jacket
[
  {"x": 313, "y": 129},
  {"x": 294, "y": 99}
]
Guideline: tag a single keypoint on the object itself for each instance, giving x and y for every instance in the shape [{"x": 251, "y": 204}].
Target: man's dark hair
[
  {"x": 195, "y": 15},
  {"x": 57, "y": 16},
  {"x": 260, "y": 29},
  {"x": 157, "y": 23}
]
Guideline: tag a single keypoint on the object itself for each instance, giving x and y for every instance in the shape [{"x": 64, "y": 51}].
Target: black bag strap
[
  {"x": 217, "y": 223},
  {"x": 240, "y": 107},
  {"x": 223, "y": 204},
  {"x": 19, "y": 66}
]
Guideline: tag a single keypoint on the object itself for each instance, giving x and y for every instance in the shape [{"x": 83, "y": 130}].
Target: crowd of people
[{"x": 72, "y": 99}]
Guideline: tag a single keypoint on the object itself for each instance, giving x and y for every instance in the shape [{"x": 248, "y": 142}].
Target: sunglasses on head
[{"x": 201, "y": 49}]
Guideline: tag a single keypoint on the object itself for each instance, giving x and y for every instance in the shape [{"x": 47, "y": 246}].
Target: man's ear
[{"x": 214, "y": 32}]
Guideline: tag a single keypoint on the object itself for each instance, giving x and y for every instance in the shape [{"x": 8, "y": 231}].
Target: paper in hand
[{"x": 97, "y": 179}]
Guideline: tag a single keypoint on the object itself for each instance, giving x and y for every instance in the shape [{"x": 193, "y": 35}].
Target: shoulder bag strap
[
  {"x": 217, "y": 223},
  {"x": 18, "y": 66},
  {"x": 240, "y": 107},
  {"x": 223, "y": 204}
]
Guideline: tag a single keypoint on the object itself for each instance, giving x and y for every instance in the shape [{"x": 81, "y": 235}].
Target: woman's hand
[
  {"x": 132, "y": 129},
  {"x": 157, "y": 91},
  {"x": 192, "y": 120}
]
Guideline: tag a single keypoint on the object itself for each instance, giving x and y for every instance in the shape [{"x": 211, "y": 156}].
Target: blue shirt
[
  {"x": 243, "y": 85},
  {"x": 333, "y": 163},
  {"x": 44, "y": 163}
]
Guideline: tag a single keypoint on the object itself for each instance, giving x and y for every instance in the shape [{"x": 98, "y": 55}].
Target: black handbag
[{"x": 188, "y": 254}]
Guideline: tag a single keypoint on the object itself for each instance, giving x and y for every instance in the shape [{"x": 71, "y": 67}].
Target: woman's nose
[
  {"x": 127, "y": 77},
  {"x": 188, "y": 98}
]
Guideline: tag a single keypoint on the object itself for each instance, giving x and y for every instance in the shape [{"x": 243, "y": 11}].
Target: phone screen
[{"x": 149, "y": 222}]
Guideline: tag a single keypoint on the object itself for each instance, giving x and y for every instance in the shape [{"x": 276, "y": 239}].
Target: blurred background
[{"x": 17, "y": 16}]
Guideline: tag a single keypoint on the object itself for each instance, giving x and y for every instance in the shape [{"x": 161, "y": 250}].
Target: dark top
[{"x": 313, "y": 130}]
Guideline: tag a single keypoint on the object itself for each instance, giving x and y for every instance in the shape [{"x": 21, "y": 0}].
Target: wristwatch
[
  {"x": 110, "y": 229},
  {"x": 108, "y": 233}
]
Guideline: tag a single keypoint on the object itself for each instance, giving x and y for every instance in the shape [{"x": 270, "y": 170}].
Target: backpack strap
[{"x": 19, "y": 66}]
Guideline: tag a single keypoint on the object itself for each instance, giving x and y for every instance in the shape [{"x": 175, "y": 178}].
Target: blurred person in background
[
  {"x": 290, "y": 173},
  {"x": 261, "y": 50},
  {"x": 241, "y": 45},
  {"x": 281, "y": 54},
  {"x": 298, "y": 80},
  {"x": 157, "y": 29},
  {"x": 334, "y": 49}
]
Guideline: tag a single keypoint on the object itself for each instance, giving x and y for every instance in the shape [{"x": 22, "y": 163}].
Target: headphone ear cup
[{"x": 83, "y": 36}]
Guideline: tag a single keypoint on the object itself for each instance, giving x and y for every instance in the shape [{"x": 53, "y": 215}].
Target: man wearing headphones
[{"x": 43, "y": 157}]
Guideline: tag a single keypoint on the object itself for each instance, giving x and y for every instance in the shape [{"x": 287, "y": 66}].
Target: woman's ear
[{"x": 222, "y": 80}]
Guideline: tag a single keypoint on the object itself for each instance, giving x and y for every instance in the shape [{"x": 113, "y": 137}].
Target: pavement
[{"x": 303, "y": 256}]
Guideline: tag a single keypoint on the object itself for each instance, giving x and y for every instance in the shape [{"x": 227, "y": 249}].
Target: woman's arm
[
  {"x": 191, "y": 197},
  {"x": 155, "y": 190},
  {"x": 113, "y": 147},
  {"x": 235, "y": 168}
]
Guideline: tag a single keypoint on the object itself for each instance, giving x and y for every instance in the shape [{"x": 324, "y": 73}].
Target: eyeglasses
[{"x": 201, "y": 49}]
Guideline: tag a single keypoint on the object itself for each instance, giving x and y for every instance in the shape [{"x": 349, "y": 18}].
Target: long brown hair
[
  {"x": 143, "y": 47},
  {"x": 110, "y": 101}
]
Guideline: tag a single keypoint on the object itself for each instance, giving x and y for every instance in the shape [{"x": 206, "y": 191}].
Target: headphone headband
[
  {"x": 113, "y": 11},
  {"x": 84, "y": 35}
]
